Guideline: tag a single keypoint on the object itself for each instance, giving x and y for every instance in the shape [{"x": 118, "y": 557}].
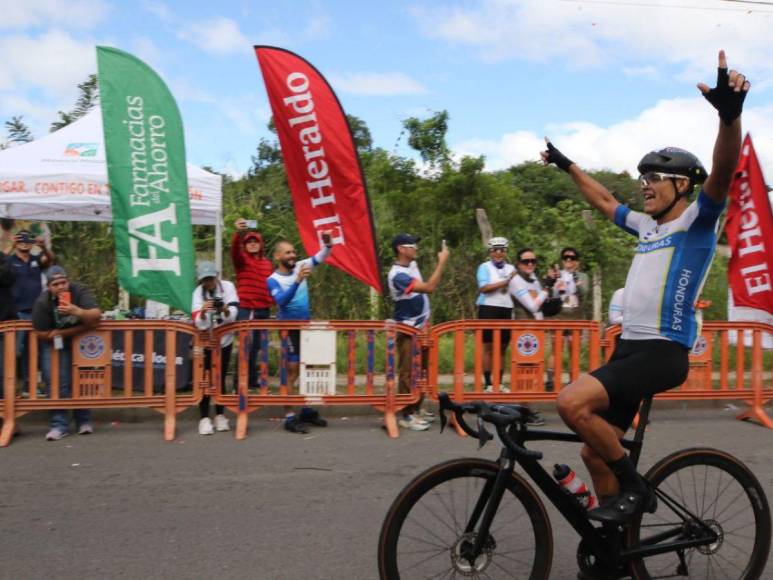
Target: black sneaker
[
  {"x": 312, "y": 417},
  {"x": 293, "y": 425}
]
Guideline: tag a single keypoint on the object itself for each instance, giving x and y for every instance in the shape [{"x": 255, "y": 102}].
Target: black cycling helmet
[{"x": 676, "y": 161}]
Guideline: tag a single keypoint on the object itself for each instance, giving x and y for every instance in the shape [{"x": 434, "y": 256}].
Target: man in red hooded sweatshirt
[{"x": 252, "y": 270}]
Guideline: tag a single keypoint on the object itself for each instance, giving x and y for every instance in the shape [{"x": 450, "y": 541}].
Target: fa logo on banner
[{"x": 154, "y": 241}]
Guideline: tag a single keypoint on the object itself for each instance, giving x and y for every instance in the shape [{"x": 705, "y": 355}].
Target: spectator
[
  {"x": 252, "y": 272},
  {"x": 215, "y": 302},
  {"x": 289, "y": 289},
  {"x": 495, "y": 303},
  {"x": 60, "y": 312},
  {"x": 571, "y": 286},
  {"x": 409, "y": 293},
  {"x": 616, "y": 307},
  {"x": 7, "y": 277},
  {"x": 530, "y": 300},
  {"x": 28, "y": 269},
  {"x": 7, "y": 310},
  {"x": 526, "y": 288}
]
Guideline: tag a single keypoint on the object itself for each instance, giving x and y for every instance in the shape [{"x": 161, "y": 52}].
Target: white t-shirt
[
  {"x": 668, "y": 271},
  {"x": 529, "y": 294},
  {"x": 226, "y": 291},
  {"x": 569, "y": 298},
  {"x": 488, "y": 273}
]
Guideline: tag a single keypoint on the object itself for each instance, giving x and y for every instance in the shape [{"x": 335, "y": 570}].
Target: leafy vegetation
[{"x": 530, "y": 204}]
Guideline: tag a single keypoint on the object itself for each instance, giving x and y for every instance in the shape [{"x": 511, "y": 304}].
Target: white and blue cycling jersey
[
  {"x": 668, "y": 271},
  {"x": 292, "y": 296},
  {"x": 488, "y": 273},
  {"x": 411, "y": 307}
]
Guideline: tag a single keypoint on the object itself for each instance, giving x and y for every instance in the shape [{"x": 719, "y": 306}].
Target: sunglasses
[
  {"x": 528, "y": 261},
  {"x": 569, "y": 258},
  {"x": 652, "y": 177}
]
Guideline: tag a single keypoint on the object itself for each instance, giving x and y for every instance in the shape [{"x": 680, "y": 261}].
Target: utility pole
[{"x": 587, "y": 216}]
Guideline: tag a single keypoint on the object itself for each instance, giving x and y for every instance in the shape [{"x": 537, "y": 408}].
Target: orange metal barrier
[
  {"x": 96, "y": 355},
  {"x": 536, "y": 351},
  {"x": 720, "y": 369},
  {"x": 366, "y": 381},
  {"x": 363, "y": 366}
]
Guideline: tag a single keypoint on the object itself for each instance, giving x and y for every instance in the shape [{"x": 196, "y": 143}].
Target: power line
[
  {"x": 680, "y": 6},
  {"x": 750, "y": 2}
]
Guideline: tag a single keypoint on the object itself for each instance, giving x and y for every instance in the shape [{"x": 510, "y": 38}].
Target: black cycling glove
[
  {"x": 724, "y": 99},
  {"x": 555, "y": 156}
]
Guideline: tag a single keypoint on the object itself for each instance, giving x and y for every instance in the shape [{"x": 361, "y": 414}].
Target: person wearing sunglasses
[
  {"x": 410, "y": 294},
  {"x": 495, "y": 303},
  {"x": 571, "y": 285},
  {"x": 676, "y": 241},
  {"x": 525, "y": 287}
]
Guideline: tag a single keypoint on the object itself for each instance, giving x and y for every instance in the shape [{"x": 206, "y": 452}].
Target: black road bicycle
[{"x": 475, "y": 518}]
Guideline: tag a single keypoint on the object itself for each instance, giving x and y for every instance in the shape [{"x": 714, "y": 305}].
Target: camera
[{"x": 217, "y": 302}]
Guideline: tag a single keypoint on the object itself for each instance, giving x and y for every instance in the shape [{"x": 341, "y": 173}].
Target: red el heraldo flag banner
[
  {"x": 750, "y": 235},
  {"x": 321, "y": 161}
]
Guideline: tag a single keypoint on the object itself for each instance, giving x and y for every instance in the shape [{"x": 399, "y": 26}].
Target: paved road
[{"x": 125, "y": 504}]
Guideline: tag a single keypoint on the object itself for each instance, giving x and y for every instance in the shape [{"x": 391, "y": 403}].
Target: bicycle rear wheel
[
  {"x": 424, "y": 533},
  {"x": 725, "y": 496}
]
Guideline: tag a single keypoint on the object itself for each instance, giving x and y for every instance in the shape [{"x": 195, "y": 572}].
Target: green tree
[
  {"x": 428, "y": 137},
  {"x": 88, "y": 97},
  {"x": 18, "y": 132}
]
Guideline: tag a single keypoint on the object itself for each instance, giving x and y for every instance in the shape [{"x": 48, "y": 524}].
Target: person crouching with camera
[{"x": 215, "y": 302}]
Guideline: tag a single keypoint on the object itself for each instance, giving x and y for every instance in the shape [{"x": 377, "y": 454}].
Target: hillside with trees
[{"x": 435, "y": 198}]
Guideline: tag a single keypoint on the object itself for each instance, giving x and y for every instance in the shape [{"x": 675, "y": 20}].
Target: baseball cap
[
  {"x": 252, "y": 236},
  {"x": 404, "y": 239},
  {"x": 25, "y": 236},
  {"x": 206, "y": 270},
  {"x": 55, "y": 272}
]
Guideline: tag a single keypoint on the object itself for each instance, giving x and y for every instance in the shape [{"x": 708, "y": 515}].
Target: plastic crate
[
  {"x": 318, "y": 362},
  {"x": 317, "y": 379}
]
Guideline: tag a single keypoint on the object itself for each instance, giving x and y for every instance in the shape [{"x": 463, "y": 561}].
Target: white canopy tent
[{"x": 63, "y": 177}]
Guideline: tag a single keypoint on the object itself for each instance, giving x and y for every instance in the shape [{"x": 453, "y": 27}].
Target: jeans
[
  {"x": 59, "y": 417},
  {"x": 22, "y": 353},
  {"x": 254, "y": 342}
]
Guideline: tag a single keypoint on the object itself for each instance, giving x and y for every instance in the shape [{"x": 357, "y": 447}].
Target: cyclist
[
  {"x": 494, "y": 302},
  {"x": 677, "y": 240}
]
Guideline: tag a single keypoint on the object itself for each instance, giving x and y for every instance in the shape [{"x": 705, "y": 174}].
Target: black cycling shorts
[
  {"x": 495, "y": 313},
  {"x": 640, "y": 369}
]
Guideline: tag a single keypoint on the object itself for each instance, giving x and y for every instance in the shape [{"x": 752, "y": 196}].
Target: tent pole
[{"x": 219, "y": 241}]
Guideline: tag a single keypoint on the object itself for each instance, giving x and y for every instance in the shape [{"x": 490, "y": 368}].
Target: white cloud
[
  {"x": 55, "y": 62},
  {"x": 377, "y": 84},
  {"x": 590, "y": 34},
  {"x": 20, "y": 14},
  {"x": 686, "y": 123},
  {"x": 219, "y": 36},
  {"x": 647, "y": 72}
]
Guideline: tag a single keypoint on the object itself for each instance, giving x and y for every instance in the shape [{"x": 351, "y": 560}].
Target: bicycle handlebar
[{"x": 503, "y": 417}]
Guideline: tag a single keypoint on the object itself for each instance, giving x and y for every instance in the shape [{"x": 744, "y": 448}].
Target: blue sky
[{"x": 608, "y": 80}]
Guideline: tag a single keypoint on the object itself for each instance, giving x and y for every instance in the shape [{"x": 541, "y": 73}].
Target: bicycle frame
[{"x": 603, "y": 541}]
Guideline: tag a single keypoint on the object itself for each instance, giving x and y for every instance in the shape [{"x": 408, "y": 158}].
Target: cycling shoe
[{"x": 624, "y": 506}]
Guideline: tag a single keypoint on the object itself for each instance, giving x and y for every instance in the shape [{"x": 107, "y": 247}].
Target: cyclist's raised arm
[
  {"x": 595, "y": 194},
  {"x": 727, "y": 98}
]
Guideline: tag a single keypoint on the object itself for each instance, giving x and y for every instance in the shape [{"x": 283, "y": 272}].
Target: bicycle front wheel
[
  {"x": 431, "y": 527},
  {"x": 724, "y": 496}
]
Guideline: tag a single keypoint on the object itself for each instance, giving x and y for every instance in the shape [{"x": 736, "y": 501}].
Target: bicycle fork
[{"x": 487, "y": 506}]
